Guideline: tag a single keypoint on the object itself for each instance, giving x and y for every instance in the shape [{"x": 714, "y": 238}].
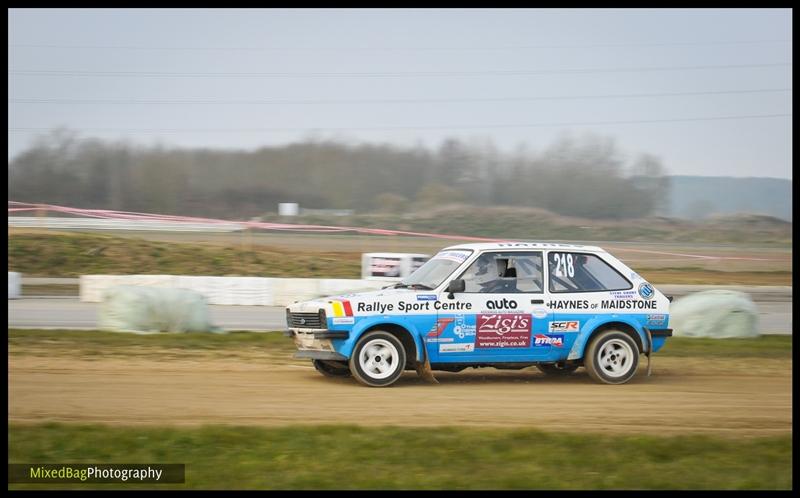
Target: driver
[
  {"x": 482, "y": 273},
  {"x": 485, "y": 275}
]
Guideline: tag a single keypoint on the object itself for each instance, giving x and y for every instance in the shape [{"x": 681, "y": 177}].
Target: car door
[
  {"x": 579, "y": 284},
  {"x": 499, "y": 314}
]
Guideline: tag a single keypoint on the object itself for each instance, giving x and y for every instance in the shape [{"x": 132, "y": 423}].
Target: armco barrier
[
  {"x": 14, "y": 285},
  {"x": 258, "y": 291}
]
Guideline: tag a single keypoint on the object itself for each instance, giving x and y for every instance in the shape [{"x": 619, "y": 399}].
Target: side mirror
[{"x": 457, "y": 285}]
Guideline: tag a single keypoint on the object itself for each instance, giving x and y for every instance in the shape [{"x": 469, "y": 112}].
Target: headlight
[
  {"x": 323, "y": 319},
  {"x": 288, "y": 318}
]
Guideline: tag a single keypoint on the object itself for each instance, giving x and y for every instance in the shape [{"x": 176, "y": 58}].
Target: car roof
[{"x": 521, "y": 245}]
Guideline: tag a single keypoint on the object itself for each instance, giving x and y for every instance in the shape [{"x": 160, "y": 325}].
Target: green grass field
[{"x": 352, "y": 457}]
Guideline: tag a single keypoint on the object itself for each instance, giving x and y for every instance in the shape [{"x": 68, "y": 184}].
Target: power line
[
  {"x": 386, "y": 101},
  {"x": 514, "y": 72},
  {"x": 391, "y": 128},
  {"x": 398, "y": 49}
]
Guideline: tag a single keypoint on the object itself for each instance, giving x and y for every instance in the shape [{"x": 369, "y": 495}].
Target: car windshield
[{"x": 435, "y": 270}]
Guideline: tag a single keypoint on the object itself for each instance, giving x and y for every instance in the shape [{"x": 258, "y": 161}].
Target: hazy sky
[{"x": 247, "y": 78}]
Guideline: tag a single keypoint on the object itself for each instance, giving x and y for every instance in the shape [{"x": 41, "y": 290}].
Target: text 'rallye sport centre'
[{"x": 506, "y": 305}]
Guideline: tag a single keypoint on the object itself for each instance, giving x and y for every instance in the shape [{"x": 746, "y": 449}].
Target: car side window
[
  {"x": 505, "y": 272},
  {"x": 579, "y": 272}
]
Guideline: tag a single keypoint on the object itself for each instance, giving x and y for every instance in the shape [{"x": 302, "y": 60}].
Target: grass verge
[
  {"x": 102, "y": 343},
  {"x": 51, "y": 290},
  {"x": 75, "y": 254},
  {"x": 60, "y": 254},
  {"x": 765, "y": 346},
  {"x": 352, "y": 457}
]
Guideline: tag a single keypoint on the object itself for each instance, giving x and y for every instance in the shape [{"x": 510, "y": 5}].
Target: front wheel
[
  {"x": 612, "y": 357},
  {"x": 378, "y": 359}
]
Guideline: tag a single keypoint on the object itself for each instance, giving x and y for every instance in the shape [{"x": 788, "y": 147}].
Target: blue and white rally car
[{"x": 505, "y": 305}]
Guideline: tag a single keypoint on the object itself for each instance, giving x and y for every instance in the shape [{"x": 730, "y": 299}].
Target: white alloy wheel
[
  {"x": 378, "y": 359},
  {"x": 615, "y": 358},
  {"x": 612, "y": 357}
]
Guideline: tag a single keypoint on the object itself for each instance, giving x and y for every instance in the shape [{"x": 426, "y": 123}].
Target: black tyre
[
  {"x": 332, "y": 368},
  {"x": 612, "y": 357},
  {"x": 558, "y": 369},
  {"x": 378, "y": 359}
]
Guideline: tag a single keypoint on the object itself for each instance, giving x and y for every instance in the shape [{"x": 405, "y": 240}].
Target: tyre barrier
[
  {"x": 714, "y": 313},
  {"x": 152, "y": 310}
]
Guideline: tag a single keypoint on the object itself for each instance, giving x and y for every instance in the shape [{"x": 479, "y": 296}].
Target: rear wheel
[
  {"x": 557, "y": 369},
  {"x": 612, "y": 357},
  {"x": 378, "y": 359},
  {"x": 332, "y": 368}
]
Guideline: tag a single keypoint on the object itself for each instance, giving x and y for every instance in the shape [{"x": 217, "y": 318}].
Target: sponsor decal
[
  {"x": 440, "y": 326},
  {"x": 342, "y": 308},
  {"x": 451, "y": 306},
  {"x": 539, "y": 312},
  {"x": 373, "y": 307},
  {"x": 457, "y": 347},
  {"x": 439, "y": 339},
  {"x": 535, "y": 244},
  {"x": 548, "y": 340},
  {"x": 628, "y": 305},
  {"x": 462, "y": 329},
  {"x": 656, "y": 319},
  {"x": 573, "y": 326},
  {"x": 345, "y": 320},
  {"x": 630, "y": 294},
  {"x": 605, "y": 304},
  {"x": 426, "y": 297},
  {"x": 646, "y": 290},
  {"x": 405, "y": 307},
  {"x": 503, "y": 331},
  {"x": 501, "y": 304},
  {"x": 578, "y": 304},
  {"x": 457, "y": 256},
  {"x": 412, "y": 307}
]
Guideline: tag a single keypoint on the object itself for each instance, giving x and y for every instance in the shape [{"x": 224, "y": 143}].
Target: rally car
[{"x": 506, "y": 305}]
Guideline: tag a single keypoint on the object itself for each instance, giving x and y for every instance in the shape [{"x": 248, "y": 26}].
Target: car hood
[{"x": 323, "y": 302}]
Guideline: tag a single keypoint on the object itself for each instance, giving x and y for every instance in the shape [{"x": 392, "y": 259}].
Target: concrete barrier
[
  {"x": 244, "y": 291},
  {"x": 14, "y": 285}
]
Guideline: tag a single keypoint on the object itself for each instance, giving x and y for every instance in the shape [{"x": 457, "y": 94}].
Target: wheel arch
[
  {"x": 628, "y": 327},
  {"x": 406, "y": 334}
]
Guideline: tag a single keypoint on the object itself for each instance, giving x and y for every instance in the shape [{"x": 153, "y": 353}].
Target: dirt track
[{"x": 726, "y": 397}]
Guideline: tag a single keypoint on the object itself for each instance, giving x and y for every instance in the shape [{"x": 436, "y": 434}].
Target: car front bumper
[{"x": 317, "y": 344}]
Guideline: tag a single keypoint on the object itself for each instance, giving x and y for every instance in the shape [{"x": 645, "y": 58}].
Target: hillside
[{"x": 697, "y": 197}]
